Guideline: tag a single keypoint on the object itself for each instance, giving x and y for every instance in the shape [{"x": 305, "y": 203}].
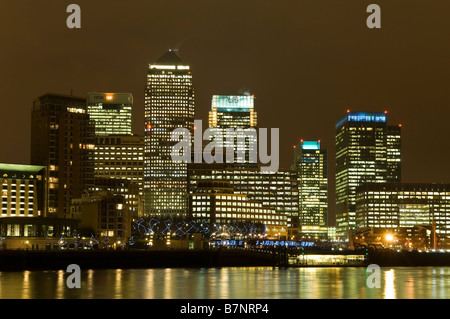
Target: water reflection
[
  {"x": 230, "y": 283},
  {"x": 389, "y": 286}
]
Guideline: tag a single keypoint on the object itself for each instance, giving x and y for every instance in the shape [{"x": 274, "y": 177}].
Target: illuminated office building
[
  {"x": 367, "y": 151},
  {"x": 120, "y": 157},
  {"x": 62, "y": 139},
  {"x": 111, "y": 112},
  {"x": 169, "y": 104},
  {"x": 235, "y": 112},
  {"x": 23, "y": 190},
  {"x": 398, "y": 208},
  {"x": 23, "y": 209},
  {"x": 216, "y": 202},
  {"x": 310, "y": 161},
  {"x": 278, "y": 190}
]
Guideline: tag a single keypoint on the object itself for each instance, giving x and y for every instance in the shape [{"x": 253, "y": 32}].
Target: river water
[{"x": 230, "y": 283}]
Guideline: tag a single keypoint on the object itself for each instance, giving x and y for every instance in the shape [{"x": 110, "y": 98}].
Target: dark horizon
[{"x": 306, "y": 63}]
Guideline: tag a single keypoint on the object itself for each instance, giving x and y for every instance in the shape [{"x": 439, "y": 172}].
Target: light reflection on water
[{"x": 230, "y": 283}]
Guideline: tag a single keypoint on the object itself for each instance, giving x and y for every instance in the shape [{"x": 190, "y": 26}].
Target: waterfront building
[
  {"x": 120, "y": 157},
  {"x": 24, "y": 222},
  {"x": 169, "y": 104},
  {"x": 216, "y": 202},
  {"x": 406, "y": 212},
  {"x": 278, "y": 190},
  {"x": 310, "y": 161},
  {"x": 112, "y": 112},
  {"x": 235, "y": 112},
  {"x": 105, "y": 216},
  {"x": 62, "y": 139},
  {"x": 367, "y": 151}
]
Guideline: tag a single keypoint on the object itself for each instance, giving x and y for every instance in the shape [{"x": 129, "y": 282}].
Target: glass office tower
[
  {"x": 111, "y": 112},
  {"x": 169, "y": 104},
  {"x": 310, "y": 161},
  {"x": 367, "y": 150},
  {"x": 235, "y": 112}
]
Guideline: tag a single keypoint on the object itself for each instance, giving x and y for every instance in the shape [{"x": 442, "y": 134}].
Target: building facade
[
  {"x": 62, "y": 139},
  {"x": 278, "y": 190},
  {"x": 24, "y": 222},
  {"x": 367, "y": 151},
  {"x": 235, "y": 112},
  {"x": 310, "y": 161},
  {"x": 105, "y": 216},
  {"x": 216, "y": 202},
  {"x": 399, "y": 209},
  {"x": 169, "y": 104},
  {"x": 120, "y": 157},
  {"x": 112, "y": 112}
]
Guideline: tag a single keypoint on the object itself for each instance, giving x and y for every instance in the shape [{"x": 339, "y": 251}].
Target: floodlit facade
[
  {"x": 310, "y": 161},
  {"x": 120, "y": 157},
  {"x": 367, "y": 151},
  {"x": 23, "y": 190},
  {"x": 235, "y": 112},
  {"x": 278, "y": 191},
  {"x": 112, "y": 112},
  {"x": 398, "y": 208},
  {"x": 216, "y": 202},
  {"x": 62, "y": 139},
  {"x": 23, "y": 217},
  {"x": 169, "y": 104}
]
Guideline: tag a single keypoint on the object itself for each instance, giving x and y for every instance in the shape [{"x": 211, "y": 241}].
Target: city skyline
[{"x": 315, "y": 89}]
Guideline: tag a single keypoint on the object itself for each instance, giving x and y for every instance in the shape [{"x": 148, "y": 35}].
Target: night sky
[{"x": 307, "y": 62}]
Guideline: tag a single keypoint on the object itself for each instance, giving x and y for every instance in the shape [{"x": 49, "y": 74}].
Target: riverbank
[{"x": 12, "y": 260}]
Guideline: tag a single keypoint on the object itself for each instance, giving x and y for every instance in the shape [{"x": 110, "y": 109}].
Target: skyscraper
[
  {"x": 111, "y": 112},
  {"x": 310, "y": 161},
  {"x": 62, "y": 139},
  {"x": 235, "y": 112},
  {"x": 367, "y": 150},
  {"x": 169, "y": 104},
  {"x": 120, "y": 157}
]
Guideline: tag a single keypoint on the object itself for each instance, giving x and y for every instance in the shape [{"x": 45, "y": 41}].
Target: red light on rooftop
[
  {"x": 348, "y": 111},
  {"x": 400, "y": 125},
  {"x": 385, "y": 112},
  {"x": 295, "y": 146}
]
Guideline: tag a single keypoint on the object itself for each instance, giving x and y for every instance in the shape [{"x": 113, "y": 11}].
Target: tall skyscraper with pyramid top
[{"x": 169, "y": 104}]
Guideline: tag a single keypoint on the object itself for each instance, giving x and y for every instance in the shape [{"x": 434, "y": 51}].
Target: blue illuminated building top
[
  {"x": 363, "y": 117},
  {"x": 311, "y": 145}
]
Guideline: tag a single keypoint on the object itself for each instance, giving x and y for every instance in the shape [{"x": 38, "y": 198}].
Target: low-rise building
[{"x": 216, "y": 202}]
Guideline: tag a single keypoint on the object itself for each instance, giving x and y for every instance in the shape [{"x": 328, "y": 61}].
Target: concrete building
[
  {"x": 62, "y": 139},
  {"x": 105, "y": 216}
]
